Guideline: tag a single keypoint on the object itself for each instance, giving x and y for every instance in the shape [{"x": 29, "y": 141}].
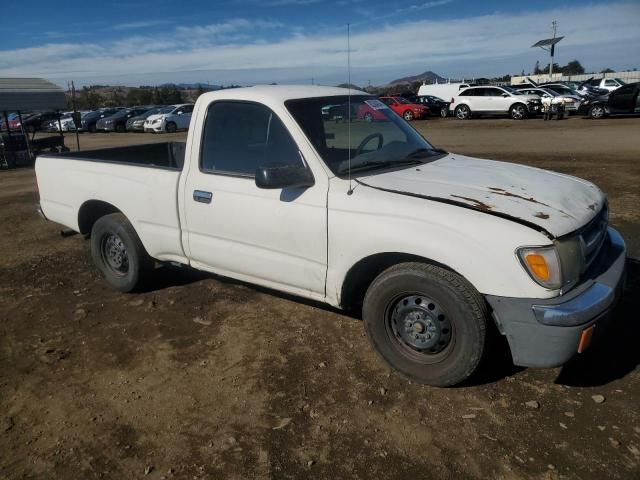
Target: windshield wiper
[{"x": 373, "y": 165}]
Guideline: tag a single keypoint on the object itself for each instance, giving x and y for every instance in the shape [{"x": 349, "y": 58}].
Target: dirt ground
[{"x": 203, "y": 377}]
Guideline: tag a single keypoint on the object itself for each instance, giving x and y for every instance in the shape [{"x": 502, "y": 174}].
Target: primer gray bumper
[{"x": 546, "y": 333}]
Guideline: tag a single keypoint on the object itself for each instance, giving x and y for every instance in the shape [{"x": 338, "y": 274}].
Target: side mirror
[
  {"x": 179, "y": 113},
  {"x": 283, "y": 176},
  {"x": 505, "y": 95}
]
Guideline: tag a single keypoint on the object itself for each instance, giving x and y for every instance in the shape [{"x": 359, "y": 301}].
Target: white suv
[
  {"x": 490, "y": 100},
  {"x": 177, "y": 119}
]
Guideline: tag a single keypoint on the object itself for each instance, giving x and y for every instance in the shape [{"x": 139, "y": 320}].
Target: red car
[{"x": 405, "y": 108}]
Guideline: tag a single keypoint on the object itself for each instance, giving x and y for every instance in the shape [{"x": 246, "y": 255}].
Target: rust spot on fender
[
  {"x": 541, "y": 215},
  {"x": 592, "y": 206},
  {"x": 476, "y": 203}
]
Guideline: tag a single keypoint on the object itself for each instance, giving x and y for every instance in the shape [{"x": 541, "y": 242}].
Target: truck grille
[{"x": 592, "y": 236}]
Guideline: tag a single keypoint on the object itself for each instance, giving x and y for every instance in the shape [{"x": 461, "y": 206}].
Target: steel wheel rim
[
  {"x": 462, "y": 113},
  {"x": 368, "y": 117},
  {"x": 419, "y": 328},
  {"x": 408, "y": 116},
  {"x": 114, "y": 254},
  {"x": 443, "y": 112},
  {"x": 597, "y": 112}
]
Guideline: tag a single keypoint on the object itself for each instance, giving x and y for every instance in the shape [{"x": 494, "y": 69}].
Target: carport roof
[{"x": 30, "y": 94}]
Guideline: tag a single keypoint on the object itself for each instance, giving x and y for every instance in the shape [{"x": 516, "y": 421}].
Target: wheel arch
[
  {"x": 92, "y": 210},
  {"x": 364, "y": 271}
]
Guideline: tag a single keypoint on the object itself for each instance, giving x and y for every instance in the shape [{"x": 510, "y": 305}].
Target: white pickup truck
[{"x": 434, "y": 247}]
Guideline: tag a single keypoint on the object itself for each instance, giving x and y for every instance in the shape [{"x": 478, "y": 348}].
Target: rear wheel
[
  {"x": 120, "y": 128},
  {"x": 92, "y": 128},
  {"x": 597, "y": 112},
  {"x": 368, "y": 117},
  {"x": 408, "y": 115},
  {"x": 518, "y": 111},
  {"x": 444, "y": 112},
  {"x": 463, "y": 112},
  {"x": 426, "y": 322},
  {"x": 171, "y": 127},
  {"x": 118, "y": 252}
]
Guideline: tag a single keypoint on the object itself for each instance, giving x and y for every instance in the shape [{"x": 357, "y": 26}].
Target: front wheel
[
  {"x": 444, "y": 112},
  {"x": 408, "y": 115},
  {"x": 597, "y": 112},
  {"x": 518, "y": 111},
  {"x": 118, "y": 252},
  {"x": 463, "y": 112},
  {"x": 171, "y": 127},
  {"x": 120, "y": 128},
  {"x": 427, "y": 323}
]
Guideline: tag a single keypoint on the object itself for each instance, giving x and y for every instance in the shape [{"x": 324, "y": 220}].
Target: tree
[
  {"x": 607, "y": 70},
  {"x": 536, "y": 69},
  {"x": 573, "y": 68}
]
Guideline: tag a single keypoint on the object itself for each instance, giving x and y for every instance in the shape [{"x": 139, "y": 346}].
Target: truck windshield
[{"x": 380, "y": 138}]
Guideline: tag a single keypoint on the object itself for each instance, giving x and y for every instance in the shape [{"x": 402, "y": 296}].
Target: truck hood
[{"x": 555, "y": 203}]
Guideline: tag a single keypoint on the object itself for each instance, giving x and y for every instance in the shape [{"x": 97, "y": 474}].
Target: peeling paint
[
  {"x": 501, "y": 191},
  {"x": 476, "y": 203},
  {"x": 541, "y": 215}
]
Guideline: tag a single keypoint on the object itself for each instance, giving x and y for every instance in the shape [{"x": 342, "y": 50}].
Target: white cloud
[
  {"x": 466, "y": 46},
  {"x": 140, "y": 24}
]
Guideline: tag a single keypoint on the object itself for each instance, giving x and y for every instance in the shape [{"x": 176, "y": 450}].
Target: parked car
[
  {"x": 118, "y": 121},
  {"x": 431, "y": 246},
  {"x": 405, "y": 108},
  {"x": 609, "y": 84},
  {"x": 37, "y": 122},
  {"x": 490, "y": 100},
  {"x": 571, "y": 102},
  {"x": 436, "y": 105},
  {"x": 136, "y": 124},
  {"x": 624, "y": 100},
  {"x": 177, "y": 119},
  {"x": 90, "y": 120}
]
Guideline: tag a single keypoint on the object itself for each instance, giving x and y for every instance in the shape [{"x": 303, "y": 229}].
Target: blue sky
[{"x": 133, "y": 42}]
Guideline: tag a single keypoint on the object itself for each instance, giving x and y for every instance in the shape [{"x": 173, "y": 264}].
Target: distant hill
[
  {"x": 427, "y": 76},
  {"x": 191, "y": 86}
]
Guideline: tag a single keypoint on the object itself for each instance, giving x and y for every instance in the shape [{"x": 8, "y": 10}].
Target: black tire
[
  {"x": 596, "y": 112},
  {"x": 463, "y": 112},
  {"x": 92, "y": 128},
  {"x": 171, "y": 127},
  {"x": 120, "y": 128},
  {"x": 408, "y": 115},
  {"x": 451, "y": 310},
  {"x": 518, "y": 111},
  {"x": 118, "y": 253}
]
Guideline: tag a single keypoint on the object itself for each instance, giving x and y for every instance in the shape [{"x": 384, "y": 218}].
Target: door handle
[{"x": 202, "y": 196}]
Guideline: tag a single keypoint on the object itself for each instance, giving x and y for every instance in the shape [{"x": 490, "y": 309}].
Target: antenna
[{"x": 350, "y": 191}]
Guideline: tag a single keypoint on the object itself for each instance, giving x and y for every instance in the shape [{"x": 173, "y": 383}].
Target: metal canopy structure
[{"x": 30, "y": 94}]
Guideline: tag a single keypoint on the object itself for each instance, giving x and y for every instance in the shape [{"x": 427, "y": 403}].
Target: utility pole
[
  {"x": 554, "y": 28},
  {"x": 77, "y": 118}
]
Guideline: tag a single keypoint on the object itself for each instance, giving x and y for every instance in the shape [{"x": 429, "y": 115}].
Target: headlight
[
  {"x": 157, "y": 120},
  {"x": 543, "y": 265}
]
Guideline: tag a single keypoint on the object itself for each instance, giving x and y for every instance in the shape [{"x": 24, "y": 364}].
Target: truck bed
[
  {"x": 169, "y": 155},
  {"x": 140, "y": 181}
]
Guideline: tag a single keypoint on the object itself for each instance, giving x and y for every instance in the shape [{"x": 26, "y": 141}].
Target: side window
[
  {"x": 611, "y": 83},
  {"x": 388, "y": 101},
  {"x": 492, "y": 92},
  {"x": 239, "y": 137},
  {"x": 471, "y": 92}
]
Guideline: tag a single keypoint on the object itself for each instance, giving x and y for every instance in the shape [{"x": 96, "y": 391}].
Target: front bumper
[
  {"x": 549, "y": 332},
  {"x": 155, "y": 128}
]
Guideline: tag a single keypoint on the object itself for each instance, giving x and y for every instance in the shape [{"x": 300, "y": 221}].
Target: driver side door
[{"x": 272, "y": 237}]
